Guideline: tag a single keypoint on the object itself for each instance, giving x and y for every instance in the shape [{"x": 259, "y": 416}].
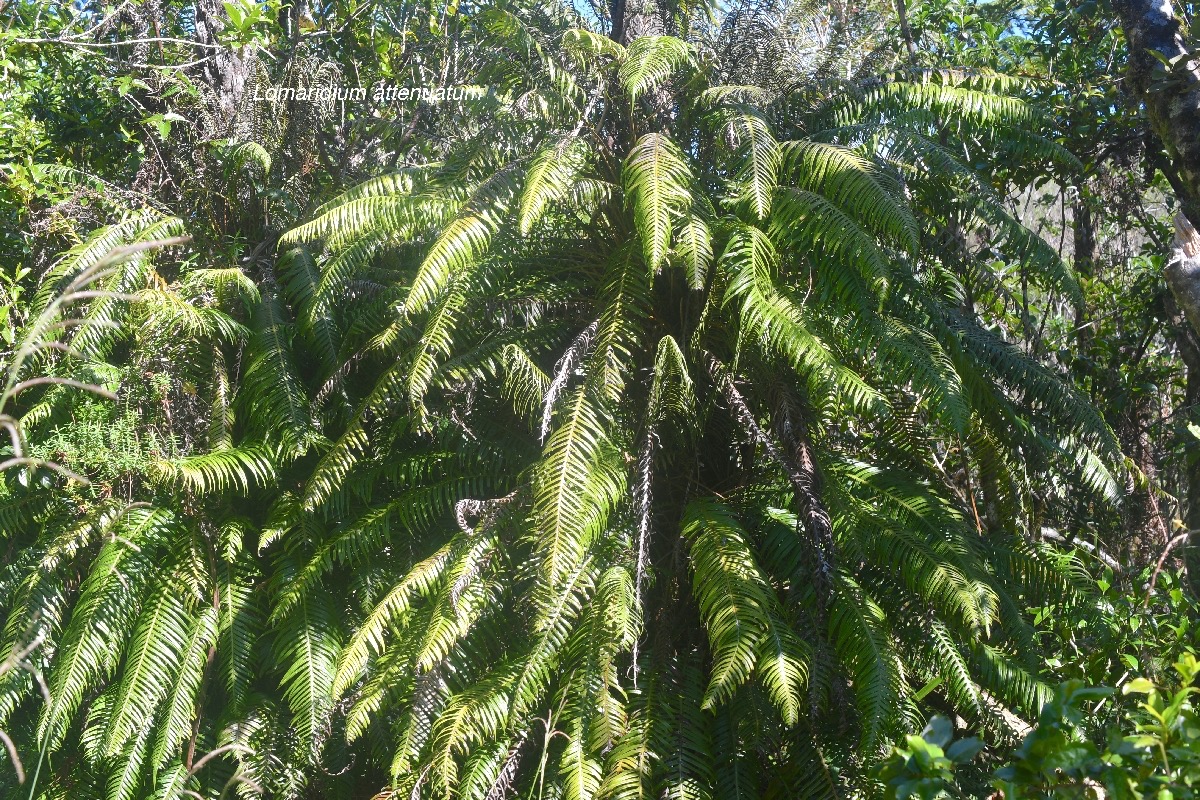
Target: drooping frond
[
  {"x": 650, "y": 61},
  {"x": 181, "y": 692},
  {"x": 575, "y": 487},
  {"x": 551, "y": 175},
  {"x": 860, "y": 635},
  {"x": 463, "y": 240},
  {"x": 271, "y": 383},
  {"x": 106, "y": 607},
  {"x": 740, "y": 613},
  {"x": 693, "y": 244},
  {"x": 308, "y": 648},
  {"x": 656, "y": 177},
  {"x": 222, "y": 470},
  {"x": 157, "y": 644},
  {"x": 758, "y": 159},
  {"x": 854, "y": 186}
]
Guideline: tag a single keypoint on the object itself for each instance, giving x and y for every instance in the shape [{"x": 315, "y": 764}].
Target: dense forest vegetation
[{"x": 624, "y": 399}]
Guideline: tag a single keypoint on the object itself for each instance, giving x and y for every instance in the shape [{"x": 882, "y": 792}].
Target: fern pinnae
[
  {"x": 127, "y": 777},
  {"x": 463, "y": 241},
  {"x": 154, "y": 651},
  {"x": 108, "y": 594},
  {"x": 402, "y": 182},
  {"x": 369, "y": 638},
  {"x": 859, "y": 631},
  {"x": 558, "y": 611},
  {"x": 808, "y": 224},
  {"x": 576, "y": 486},
  {"x": 223, "y": 470},
  {"x": 759, "y": 159},
  {"x": 435, "y": 343},
  {"x": 308, "y": 645},
  {"x": 694, "y": 248},
  {"x": 271, "y": 381},
  {"x": 180, "y": 702},
  {"x": 552, "y": 173},
  {"x": 239, "y": 625},
  {"x": 731, "y": 594},
  {"x": 460, "y": 603},
  {"x": 649, "y": 61},
  {"x": 851, "y": 183},
  {"x": 588, "y": 43},
  {"x": 656, "y": 178},
  {"x": 390, "y": 679},
  {"x": 90, "y": 252},
  {"x": 302, "y": 282},
  {"x": 564, "y": 371},
  {"x": 526, "y": 386}
]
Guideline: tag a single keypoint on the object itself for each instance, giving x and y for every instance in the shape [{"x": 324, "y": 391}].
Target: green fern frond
[
  {"x": 229, "y": 284},
  {"x": 219, "y": 471},
  {"x": 369, "y": 638},
  {"x": 462, "y": 242},
  {"x": 649, "y": 61},
  {"x": 656, "y": 178},
  {"x": 307, "y": 645},
  {"x": 157, "y": 644},
  {"x": 694, "y": 247},
  {"x": 106, "y": 608},
  {"x": 859, "y": 632},
  {"x": 587, "y": 43},
  {"x": 271, "y": 383},
  {"x": 575, "y": 487},
  {"x": 857, "y": 271},
  {"x": 852, "y": 184},
  {"x": 759, "y": 159},
  {"x": 738, "y": 607},
  {"x": 302, "y": 283},
  {"x": 181, "y": 693},
  {"x": 552, "y": 173}
]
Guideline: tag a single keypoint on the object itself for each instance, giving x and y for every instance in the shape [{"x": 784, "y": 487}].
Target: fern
[
  {"x": 656, "y": 178},
  {"x": 650, "y": 60},
  {"x": 602, "y": 449}
]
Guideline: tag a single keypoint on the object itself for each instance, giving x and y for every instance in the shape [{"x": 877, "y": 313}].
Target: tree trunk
[
  {"x": 905, "y": 29},
  {"x": 1085, "y": 251},
  {"x": 1173, "y": 107},
  {"x": 634, "y": 18},
  {"x": 225, "y": 72},
  {"x": 1189, "y": 350},
  {"x": 1172, "y": 99}
]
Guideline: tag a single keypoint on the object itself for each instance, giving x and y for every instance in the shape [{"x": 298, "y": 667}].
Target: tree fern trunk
[
  {"x": 792, "y": 427},
  {"x": 1191, "y": 555},
  {"x": 1173, "y": 107}
]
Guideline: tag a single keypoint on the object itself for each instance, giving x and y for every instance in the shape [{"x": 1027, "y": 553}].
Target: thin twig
[
  {"x": 50, "y": 379},
  {"x": 123, "y": 42},
  {"x": 1183, "y": 537},
  {"x": 39, "y": 463},
  {"x": 214, "y": 753},
  {"x": 12, "y": 754}
]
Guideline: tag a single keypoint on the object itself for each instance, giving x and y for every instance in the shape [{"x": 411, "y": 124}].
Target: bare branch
[{"x": 12, "y": 754}]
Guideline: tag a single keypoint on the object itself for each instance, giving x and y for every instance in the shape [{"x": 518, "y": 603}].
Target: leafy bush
[{"x": 1089, "y": 741}]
